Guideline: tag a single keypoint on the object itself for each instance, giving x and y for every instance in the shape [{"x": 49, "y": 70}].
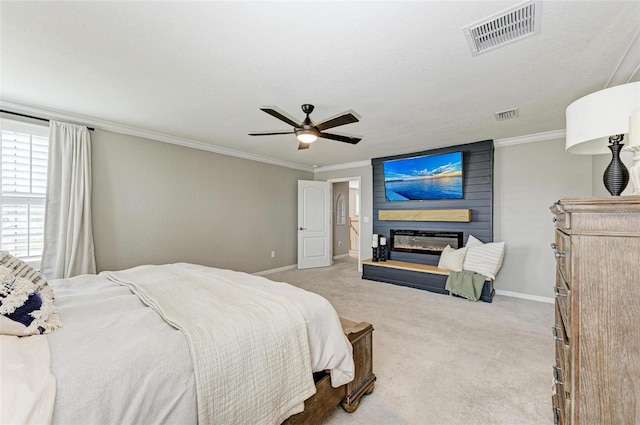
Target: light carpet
[{"x": 442, "y": 360}]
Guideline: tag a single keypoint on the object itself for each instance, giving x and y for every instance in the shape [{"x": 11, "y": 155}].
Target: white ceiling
[{"x": 199, "y": 71}]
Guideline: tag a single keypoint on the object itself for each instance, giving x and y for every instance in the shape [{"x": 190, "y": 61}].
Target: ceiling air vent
[
  {"x": 505, "y": 27},
  {"x": 506, "y": 115}
]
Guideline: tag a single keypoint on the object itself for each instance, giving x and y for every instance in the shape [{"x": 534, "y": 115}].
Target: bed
[{"x": 177, "y": 343}]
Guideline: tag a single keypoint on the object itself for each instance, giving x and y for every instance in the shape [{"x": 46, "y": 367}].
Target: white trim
[
  {"x": 628, "y": 66},
  {"x": 337, "y": 257},
  {"x": 342, "y": 166},
  {"x": 279, "y": 269},
  {"x": 530, "y": 138},
  {"x": 133, "y": 131},
  {"x": 525, "y": 296},
  {"x": 498, "y": 143}
]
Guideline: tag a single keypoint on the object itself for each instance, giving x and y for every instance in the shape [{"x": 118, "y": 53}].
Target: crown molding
[
  {"x": 138, "y": 132},
  {"x": 342, "y": 166},
  {"x": 527, "y": 138},
  {"x": 530, "y": 138},
  {"x": 628, "y": 66}
]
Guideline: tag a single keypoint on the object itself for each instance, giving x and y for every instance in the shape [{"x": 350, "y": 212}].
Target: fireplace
[{"x": 424, "y": 241}]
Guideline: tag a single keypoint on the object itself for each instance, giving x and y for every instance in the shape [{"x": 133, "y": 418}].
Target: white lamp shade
[{"x": 595, "y": 117}]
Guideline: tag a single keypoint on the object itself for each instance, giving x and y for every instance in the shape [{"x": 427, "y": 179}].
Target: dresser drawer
[
  {"x": 562, "y": 251},
  {"x": 561, "y": 416},
  {"x": 563, "y": 301},
  {"x": 563, "y": 353},
  {"x": 561, "y": 219}
]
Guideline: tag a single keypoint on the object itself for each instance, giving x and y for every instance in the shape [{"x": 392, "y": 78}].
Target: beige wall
[
  {"x": 155, "y": 203},
  {"x": 528, "y": 179}
]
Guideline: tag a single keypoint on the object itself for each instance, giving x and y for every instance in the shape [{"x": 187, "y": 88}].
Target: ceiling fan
[{"x": 306, "y": 132}]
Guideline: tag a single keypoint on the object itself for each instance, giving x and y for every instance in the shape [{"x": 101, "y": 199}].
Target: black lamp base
[{"x": 616, "y": 176}]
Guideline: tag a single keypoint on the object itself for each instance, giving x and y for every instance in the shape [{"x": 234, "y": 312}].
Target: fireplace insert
[{"x": 424, "y": 241}]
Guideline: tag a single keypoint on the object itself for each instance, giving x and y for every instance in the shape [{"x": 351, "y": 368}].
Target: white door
[{"x": 314, "y": 224}]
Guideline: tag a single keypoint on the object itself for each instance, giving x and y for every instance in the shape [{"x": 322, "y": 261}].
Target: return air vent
[
  {"x": 505, "y": 27},
  {"x": 506, "y": 115}
]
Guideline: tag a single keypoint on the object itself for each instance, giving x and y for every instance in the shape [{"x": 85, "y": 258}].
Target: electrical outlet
[{"x": 273, "y": 254}]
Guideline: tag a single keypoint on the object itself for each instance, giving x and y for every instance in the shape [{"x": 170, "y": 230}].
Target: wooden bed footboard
[{"x": 326, "y": 398}]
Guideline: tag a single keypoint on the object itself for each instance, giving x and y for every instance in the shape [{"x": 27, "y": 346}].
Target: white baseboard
[
  {"x": 525, "y": 296},
  {"x": 335, "y": 257},
  {"x": 279, "y": 269}
]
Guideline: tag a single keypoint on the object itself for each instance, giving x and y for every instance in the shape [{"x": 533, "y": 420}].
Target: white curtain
[{"x": 68, "y": 234}]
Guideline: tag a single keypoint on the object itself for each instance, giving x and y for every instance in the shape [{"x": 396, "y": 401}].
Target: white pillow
[
  {"x": 483, "y": 258},
  {"x": 452, "y": 259}
]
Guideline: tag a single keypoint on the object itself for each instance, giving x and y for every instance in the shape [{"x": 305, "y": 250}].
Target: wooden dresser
[{"x": 597, "y": 316}]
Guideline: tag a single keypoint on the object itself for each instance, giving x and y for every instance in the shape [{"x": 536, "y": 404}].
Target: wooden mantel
[{"x": 458, "y": 215}]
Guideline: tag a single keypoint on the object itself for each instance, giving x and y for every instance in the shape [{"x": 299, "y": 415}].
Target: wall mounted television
[{"x": 422, "y": 178}]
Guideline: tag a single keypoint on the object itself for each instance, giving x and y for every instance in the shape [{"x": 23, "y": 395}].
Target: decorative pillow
[
  {"x": 483, "y": 258},
  {"x": 21, "y": 303},
  {"x": 452, "y": 259},
  {"x": 21, "y": 269}
]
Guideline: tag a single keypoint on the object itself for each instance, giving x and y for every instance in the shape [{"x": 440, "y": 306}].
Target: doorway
[{"x": 346, "y": 219}]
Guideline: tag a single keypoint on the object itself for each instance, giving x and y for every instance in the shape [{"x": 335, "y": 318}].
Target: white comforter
[
  {"x": 27, "y": 389},
  {"x": 249, "y": 348},
  {"x": 117, "y": 361}
]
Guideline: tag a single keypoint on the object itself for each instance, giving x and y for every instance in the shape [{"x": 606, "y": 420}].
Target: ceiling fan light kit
[
  {"x": 306, "y": 132},
  {"x": 306, "y": 135}
]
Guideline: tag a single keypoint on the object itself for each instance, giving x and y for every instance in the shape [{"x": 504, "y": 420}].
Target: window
[{"x": 24, "y": 152}]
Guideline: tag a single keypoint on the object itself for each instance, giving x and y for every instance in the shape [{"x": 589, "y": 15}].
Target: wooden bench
[
  {"x": 326, "y": 398},
  {"x": 421, "y": 276}
]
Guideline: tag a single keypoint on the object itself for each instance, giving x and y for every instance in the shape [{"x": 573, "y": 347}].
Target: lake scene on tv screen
[{"x": 424, "y": 177}]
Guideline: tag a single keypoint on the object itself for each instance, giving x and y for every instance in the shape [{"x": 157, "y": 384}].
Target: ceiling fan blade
[
  {"x": 270, "y": 133},
  {"x": 303, "y": 145},
  {"x": 280, "y": 116},
  {"x": 347, "y": 118},
  {"x": 340, "y": 138}
]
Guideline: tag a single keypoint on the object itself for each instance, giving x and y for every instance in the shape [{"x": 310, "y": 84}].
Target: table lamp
[{"x": 603, "y": 117}]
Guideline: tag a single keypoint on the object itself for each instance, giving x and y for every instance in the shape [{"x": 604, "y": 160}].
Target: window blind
[{"x": 24, "y": 154}]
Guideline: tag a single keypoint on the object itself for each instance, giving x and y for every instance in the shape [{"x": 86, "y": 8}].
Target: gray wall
[
  {"x": 528, "y": 179},
  {"x": 155, "y": 203}
]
